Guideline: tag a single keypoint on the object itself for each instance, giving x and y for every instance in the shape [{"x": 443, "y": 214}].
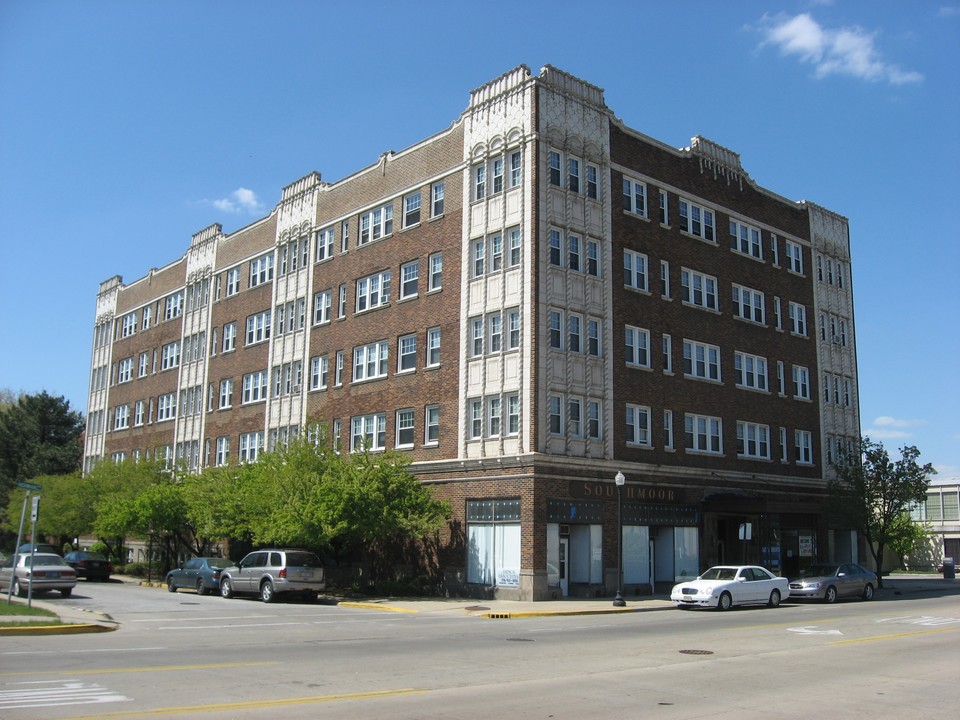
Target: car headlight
[{"x": 707, "y": 591}]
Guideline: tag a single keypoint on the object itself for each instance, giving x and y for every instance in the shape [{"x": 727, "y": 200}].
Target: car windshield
[
  {"x": 303, "y": 559},
  {"x": 719, "y": 573},
  {"x": 820, "y": 571}
]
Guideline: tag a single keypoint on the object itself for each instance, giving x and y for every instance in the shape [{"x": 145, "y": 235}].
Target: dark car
[
  {"x": 830, "y": 581},
  {"x": 89, "y": 565},
  {"x": 200, "y": 573}
]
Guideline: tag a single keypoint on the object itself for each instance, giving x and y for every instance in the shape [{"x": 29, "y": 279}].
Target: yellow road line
[
  {"x": 254, "y": 704},
  {"x": 874, "y": 638},
  {"x": 161, "y": 668}
]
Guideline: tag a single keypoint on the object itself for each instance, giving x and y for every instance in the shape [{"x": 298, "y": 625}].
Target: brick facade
[{"x": 530, "y": 435}]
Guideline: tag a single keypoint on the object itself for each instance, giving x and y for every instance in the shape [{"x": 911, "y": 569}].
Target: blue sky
[{"x": 125, "y": 127}]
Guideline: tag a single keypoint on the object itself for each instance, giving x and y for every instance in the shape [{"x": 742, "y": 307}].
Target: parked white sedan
[{"x": 724, "y": 586}]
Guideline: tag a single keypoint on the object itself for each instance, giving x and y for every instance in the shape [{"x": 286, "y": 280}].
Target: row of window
[
  {"x": 702, "y": 361},
  {"x": 496, "y": 174}
]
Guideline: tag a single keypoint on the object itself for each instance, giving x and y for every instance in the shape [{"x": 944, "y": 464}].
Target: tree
[
  {"x": 906, "y": 536},
  {"x": 39, "y": 435},
  {"x": 870, "y": 493},
  {"x": 307, "y": 495}
]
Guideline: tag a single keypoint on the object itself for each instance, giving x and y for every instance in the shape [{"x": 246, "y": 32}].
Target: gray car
[
  {"x": 48, "y": 572},
  {"x": 200, "y": 573},
  {"x": 269, "y": 573},
  {"x": 831, "y": 581}
]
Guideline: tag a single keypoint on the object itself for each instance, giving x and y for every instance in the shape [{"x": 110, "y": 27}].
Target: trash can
[{"x": 949, "y": 569}]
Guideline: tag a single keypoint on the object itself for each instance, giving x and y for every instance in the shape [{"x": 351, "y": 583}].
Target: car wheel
[
  {"x": 226, "y": 589},
  {"x": 66, "y": 592},
  {"x": 830, "y": 596},
  {"x": 18, "y": 589},
  {"x": 310, "y": 596},
  {"x": 201, "y": 588},
  {"x": 868, "y": 592},
  {"x": 171, "y": 586},
  {"x": 266, "y": 592},
  {"x": 725, "y": 602},
  {"x": 774, "y": 600}
]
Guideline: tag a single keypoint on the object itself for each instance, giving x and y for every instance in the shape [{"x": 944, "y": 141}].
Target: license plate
[
  {"x": 688, "y": 597},
  {"x": 53, "y": 574}
]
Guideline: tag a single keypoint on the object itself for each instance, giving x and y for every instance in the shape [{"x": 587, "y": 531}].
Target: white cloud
[
  {"x": 949, "y": 11},
  {"x": 890, "y": 428},
  {"x": 847, "y": 51},
  {"x": 240, "y": 200}
]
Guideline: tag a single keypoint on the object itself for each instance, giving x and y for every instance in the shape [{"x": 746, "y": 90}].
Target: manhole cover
[
  {"x": 696, "y": 652},
  {"x": 476, "y": 607},
  {"x": 519, "y": 639}
]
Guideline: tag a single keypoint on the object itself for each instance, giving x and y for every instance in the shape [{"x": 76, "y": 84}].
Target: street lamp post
[{"x": 618, "y": 601}]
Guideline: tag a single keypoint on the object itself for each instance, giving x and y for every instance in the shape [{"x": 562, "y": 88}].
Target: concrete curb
[
  {"x": 375, "y": 606},
  {"x": 57, "y": 629}
]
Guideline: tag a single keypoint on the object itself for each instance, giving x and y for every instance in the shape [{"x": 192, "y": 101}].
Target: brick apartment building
[{"x": 527, "y": 303}]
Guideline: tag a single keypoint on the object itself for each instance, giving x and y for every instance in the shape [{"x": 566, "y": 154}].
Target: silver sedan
[
  {"x": 45, "y": 571},
  {"x": 831, "y": 581}
]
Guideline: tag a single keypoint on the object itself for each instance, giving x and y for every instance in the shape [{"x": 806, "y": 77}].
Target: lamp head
[{"x": 620, "y": 479}]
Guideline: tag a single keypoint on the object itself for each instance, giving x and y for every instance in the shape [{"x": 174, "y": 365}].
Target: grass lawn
[{"x": 43, "y": 617}]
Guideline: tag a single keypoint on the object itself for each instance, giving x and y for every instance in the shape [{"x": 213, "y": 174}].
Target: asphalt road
[{"x": 184, "y": 656}]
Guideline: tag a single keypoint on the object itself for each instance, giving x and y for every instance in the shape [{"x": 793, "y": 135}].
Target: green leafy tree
[
  {"x": 907, "y": 536},
  {"x": 39, "y": 435},
  {"x": 308, "y": 495},
  {"x": 871, "y": 492},
  {"x": 114, "y": 488},
  {"x": 216, "y": 507}
]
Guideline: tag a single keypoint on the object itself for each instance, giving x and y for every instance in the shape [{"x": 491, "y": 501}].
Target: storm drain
[
  {"x": 696, "y": 652},
  {"x": 499, "y": 616}
]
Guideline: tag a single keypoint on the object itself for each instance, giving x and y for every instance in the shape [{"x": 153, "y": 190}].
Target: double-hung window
[
  {"x": 373, "y": 291},
  {"x": 697, "y": 220},
  {"x": 173, "y": 305},
  {"x": 573, "y": 175},
  {"x": 376, "y": 224},
  {"x": 404, "y": 428},
  {"x": 748, "y": 304},
  {"x": 637, "y": 426},
  {"x": 321, "y": 307},
  {"x": 370, "y": 361},
  {"x": 635, "y": 270},
  {"x": 436, "y": 199},
  {"x": 368, "y": 432},
  {"x": 798, "y": 319},
  {"x": 701, "y": 361},
  {"x": 703, "y": 434},
  {"x": 753, "y": 441},
  {"x": 554, "y": 170},
  {"x": 319, "y": 371},
  {"x": 746, "y": 239},
  {"x": 226, "y": 393},
  {"x": 803, "y": 445},
  {"x": 407, "y": 353},
  {"x": 516, "y": 168},
  {"x": 480, "y": 182},
  {"x": 128, "y": 324},
  {"x": 593, "y": 182},
  {"x": 794, "y": 257},
  {"x": 433, "y": 347},
  {"x": 637, "y": 348},
  {"x": 698, "y": 289},
  {"x": 750, "y": 371},
  {"x": 556, "y": 248},
  {"x": 258, "y": 328},
  {"x": 634, "y": 197},
  {"x": 233, "y": 281},
  {"x": 324, "y": 244},
  {"x": 555, "y": 329},
  {"x": 229, "y": 336},
  {"x": 261, "y": 270},
  {"x": 254, "y": 387},
  {"x": 409, "y": 277},
  {"x": 435, "y": 281},
  {"x": 170, "y": 355},
  {"x": 801, "y": 382},
  {"x": 411, "y": 209},
  {"x": 121, "y": 417},
  {"x": 125, "y": 370},
  {"x": 431, "y": 421},
  {"x": 251, "y": 444}
]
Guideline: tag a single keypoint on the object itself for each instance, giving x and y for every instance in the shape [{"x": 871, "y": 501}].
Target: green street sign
[{"x": 28, "y": 486}]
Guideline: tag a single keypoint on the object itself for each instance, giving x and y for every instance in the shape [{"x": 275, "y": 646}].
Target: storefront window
[
  {"x": 636, "y": 554},
  {"x": 686, "y": 553},
  {"x": 493, "y": 542}
]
